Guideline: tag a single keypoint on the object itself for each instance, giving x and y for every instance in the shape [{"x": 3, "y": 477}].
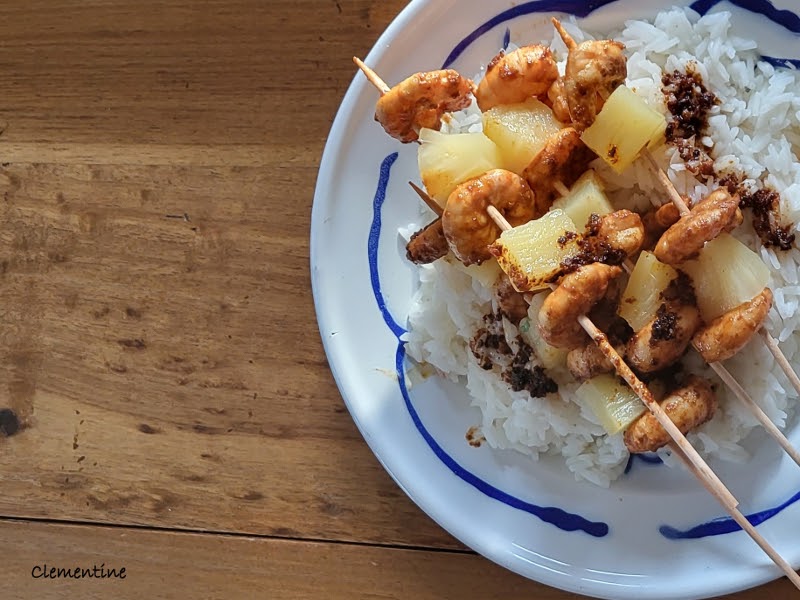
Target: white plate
[{"x": 532, "y": 518}]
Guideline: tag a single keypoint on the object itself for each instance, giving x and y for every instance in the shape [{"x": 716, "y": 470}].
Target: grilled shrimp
[
  {"x": 594, "y": 70},
  {"x": 681, "y": 242},
  {"x": 564, "y": 158},
  {"x": 587, "y": 362},
  {"x": 420, "y": 101},
  {"x": 729, "y": 333},
  {"x": 428, "y": 244},
  {"x": 467, "y": 226},
  {"x": 687, "y": 407},
  {"x": 665, "y": 338},
  {"x": 577, "y": 293},
  {"x": 623, "y": 230},
  {"x": 517, "y": 76}
]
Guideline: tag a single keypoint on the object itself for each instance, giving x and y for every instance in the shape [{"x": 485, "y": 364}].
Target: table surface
[{"x": 177, "y": 416}]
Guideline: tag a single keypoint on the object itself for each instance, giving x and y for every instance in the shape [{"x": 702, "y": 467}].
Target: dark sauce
[
  {"x": 665, "y": 327},
  {"x": 765, "y": 207},
  {"x": 592, "y": 249},
  {"x": 522, "y": 376},
  {"x": 690, "y": 103}
]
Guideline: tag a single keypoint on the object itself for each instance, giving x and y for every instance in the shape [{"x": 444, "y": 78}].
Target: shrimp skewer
[
  {"x": 679, "y": 444},
  {"x": 680, "y": 204}
]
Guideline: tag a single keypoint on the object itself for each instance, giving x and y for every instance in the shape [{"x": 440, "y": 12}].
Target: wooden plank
[
  {"x": 143, "y": 355},
  {"x": 167, "y": 370},
  {"x": 170, "y": 565}
]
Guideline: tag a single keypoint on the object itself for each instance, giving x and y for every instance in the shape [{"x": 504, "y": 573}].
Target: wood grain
[
  {"x": 169, "y": 565},
  {"x": 157, "y": 178},
  {"x": 158, "y": 343}
]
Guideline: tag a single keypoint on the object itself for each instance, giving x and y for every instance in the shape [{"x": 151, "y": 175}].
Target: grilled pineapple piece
[
  {"x": 531, "y": 254},
  {"x": 726, "y": 274},
  {"x": 520, "y": 131},
  {"x": 642, "y": 297},
  {"x": 624, "y": 126},
  {"x": 445, "y": 160},
  {"x": 584, "y": 199},
  {"x": 614, "y": 404}
]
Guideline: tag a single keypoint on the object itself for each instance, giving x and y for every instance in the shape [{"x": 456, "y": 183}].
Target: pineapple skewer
[{"x": 771, "y": 342}]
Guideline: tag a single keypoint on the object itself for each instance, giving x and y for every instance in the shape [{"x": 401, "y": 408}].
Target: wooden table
[{"x": 158, "y": 346}]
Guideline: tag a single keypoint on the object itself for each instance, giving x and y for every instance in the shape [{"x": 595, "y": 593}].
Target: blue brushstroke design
[
  {"x": 579, "y": 8},
  {"x": 506, "y": 38},
  {"x": 782, "y": 63},
  {"x": 549, "y": 514},
  {"x": 784, "y": 18},
  {"x": 583, "y": 8},
  {"x": 374, "y": 239},
  {"x": 555, "y": 516},
  {"x": 724, "y": 525}
]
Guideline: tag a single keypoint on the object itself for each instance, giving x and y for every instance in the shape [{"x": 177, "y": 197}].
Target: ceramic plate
[{"x": 655, "y": 533}]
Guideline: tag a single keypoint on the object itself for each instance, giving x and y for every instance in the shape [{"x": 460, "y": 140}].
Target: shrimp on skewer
[
  {"x": 684, "y": 240},
  {"x": 729, "y": 333},
  {"x": 577, "y": 293},
  {"x": 428, "y": 244},
  {"x": 563, "y": 160},
  {"x": 525, "y": 73},
  {"x": 688, "y": 407},
  {"x": 594, "y": 70},
  {"x": 468, "y": 228},
  {"x": 418, "y": 101}
]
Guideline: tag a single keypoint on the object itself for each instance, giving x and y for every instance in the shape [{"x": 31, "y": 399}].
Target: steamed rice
[{"x": 756, "y": 131}]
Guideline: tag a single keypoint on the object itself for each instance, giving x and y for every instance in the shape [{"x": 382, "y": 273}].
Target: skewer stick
[
  {"x": 676, "y": 199},
  {"x": 780, "y": 357},
  {"x": 683, "y": 449},
  {"x": 674, "y": 196},
  {"x": 757, "y": 411},
  {"x": 430, "y": 202},
  {"x": 372, "y": 76}
]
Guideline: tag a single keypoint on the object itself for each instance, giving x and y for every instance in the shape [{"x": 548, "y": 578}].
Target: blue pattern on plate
[
  {"x": 725, "y": 525},
  {"x": 549, "y": 514},
  {"x": 583, "y": 8},
  {"x": 556, "y": 516}
]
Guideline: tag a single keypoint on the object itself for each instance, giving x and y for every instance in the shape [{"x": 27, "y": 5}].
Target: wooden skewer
[
  {"x": 430, "y": 202},
  {"x": 683, "y": 449},
  {"x": 757, "y": 411},
  {"x": 676, "y": 199},
  {"x": 372, "y": 76}
]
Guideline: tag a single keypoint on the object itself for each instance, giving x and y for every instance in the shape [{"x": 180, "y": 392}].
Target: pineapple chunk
[
  {"x": 642, "y": 296},
  {"x": 445, "y": 160},
  {"x": 726, "y": 274},
  {"x": 584, "y": 199},
  {"x": 520, "y": 131},
  {"x": 531, "y": 254},
  {"x": 551, "y": 357},
  {"x": 624, "y": 126},
  {"x": 614, "y": 404}
]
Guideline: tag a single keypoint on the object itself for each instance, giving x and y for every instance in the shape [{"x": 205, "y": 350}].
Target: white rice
[{"x": 755, "y": 131}]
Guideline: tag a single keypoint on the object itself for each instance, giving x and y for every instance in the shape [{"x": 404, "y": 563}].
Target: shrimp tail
[{"x": 564, "y": 35}]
